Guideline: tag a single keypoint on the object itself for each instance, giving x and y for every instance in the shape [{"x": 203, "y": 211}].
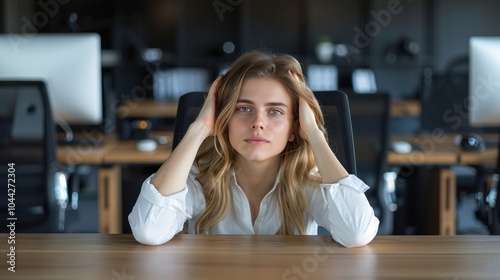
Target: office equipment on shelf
[
  {"x": 370, "y": 115},
  {"x": 70, "y": 66},
  {"x": 37, "y": 196},
  {"x": 170, "y": 84},
  {"x": 363, "y": 81},
  {"x": 322, "y": 77},
  {"x": 484, "y": 104}
]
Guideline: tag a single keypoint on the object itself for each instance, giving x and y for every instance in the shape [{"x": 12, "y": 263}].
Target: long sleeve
[
  {"x": 343, "y": 209},
  {"x": 155, "y": 218}
]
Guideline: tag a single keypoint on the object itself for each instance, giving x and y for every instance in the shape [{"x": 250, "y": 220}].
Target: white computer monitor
[
  {"x": 70, "y": 65},
  {"x": 484, "y": 81}
]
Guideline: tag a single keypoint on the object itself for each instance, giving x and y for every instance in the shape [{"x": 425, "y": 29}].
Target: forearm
[
  {"x": 329, "y": 166},
  {"x": 155, "y": 219},
  {"x": 172, "y": 175},
  {"x": 346, "y": 212}
]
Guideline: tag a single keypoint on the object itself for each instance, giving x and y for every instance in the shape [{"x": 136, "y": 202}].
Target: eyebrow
[{"x": 267, "y": 104}]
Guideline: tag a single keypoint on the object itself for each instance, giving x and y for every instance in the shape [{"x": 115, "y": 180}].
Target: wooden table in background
[
  {"x": 100, "y": 256},
  {"x": 440, "y": 151},
  {"x": 428, "y": 150},
  {"x": 110, "y": 156}
]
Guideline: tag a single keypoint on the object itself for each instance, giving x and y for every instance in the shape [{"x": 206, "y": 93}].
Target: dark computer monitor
[
  {"x": 70, "y": 66},
  {"x": 445, "y": 100}
]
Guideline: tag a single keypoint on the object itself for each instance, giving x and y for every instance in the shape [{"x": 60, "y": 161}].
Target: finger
[
  {"x": 213, "y": 87},
  {"x": 295, "y": 76}
]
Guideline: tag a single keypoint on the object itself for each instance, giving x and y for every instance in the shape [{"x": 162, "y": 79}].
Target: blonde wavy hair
[{"x": 216, "y": 156}]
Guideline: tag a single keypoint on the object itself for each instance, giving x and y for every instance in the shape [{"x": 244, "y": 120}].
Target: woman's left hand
[{"x": 307, "y": 120}]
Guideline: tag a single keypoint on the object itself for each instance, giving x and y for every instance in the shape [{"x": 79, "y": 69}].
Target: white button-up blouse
[{"x": 341, "y": 208}]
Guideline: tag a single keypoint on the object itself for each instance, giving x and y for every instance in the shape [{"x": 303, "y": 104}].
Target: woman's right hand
[{"x": 206, "y": 117}]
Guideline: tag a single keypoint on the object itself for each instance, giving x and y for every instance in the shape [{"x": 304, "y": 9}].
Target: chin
[{"x": 257, "y": 158}]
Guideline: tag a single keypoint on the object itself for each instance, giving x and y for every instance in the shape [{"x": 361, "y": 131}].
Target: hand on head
[
  {"x": 307, "y": 119},
  {"x": 207, "y": 112}
]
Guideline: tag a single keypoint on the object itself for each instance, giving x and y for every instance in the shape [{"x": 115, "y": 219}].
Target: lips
[{"x": 257, "y": 140}]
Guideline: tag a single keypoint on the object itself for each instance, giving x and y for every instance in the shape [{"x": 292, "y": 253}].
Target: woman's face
[{"x": 262, "y": 122}]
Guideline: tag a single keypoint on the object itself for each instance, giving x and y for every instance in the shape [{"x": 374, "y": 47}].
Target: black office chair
[
  {"x": 28, "y": 144},
  {"x": 370, "y": 115},
  {"x": 188, "y": 107},
  {"x": 337, "y": 115}
]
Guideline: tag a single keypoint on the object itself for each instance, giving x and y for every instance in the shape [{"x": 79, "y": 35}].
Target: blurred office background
[{"x": 398, "y": 47}]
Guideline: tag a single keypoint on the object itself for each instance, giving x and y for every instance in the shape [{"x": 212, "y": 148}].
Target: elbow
[
  {"x": 149, "y": 234},
  {"x": 150, "y": 237},
  {"x": 360, "y": 236},
  {"x": 357, "y": 240}
]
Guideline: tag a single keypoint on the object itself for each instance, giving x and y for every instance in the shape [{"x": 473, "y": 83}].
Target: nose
[{"x": 258, "y": 122}]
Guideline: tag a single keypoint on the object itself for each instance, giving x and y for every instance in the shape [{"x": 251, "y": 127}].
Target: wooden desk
[
  {"x": 488, "y": 157},
  {"x": 433, "y": 150},
  {"x": 94, "y": 256},
  {"x": 110, "y": 156},
  {"x": 442, "y": 149},
  {"x": 147, "y": 108},
  {"x": 429, "y": 150}
]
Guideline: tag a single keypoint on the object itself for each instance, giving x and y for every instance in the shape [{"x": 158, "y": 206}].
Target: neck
[{"x": 256, "y": 178}]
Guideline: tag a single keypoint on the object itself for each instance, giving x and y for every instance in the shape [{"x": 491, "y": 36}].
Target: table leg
[
  {"x": 444, "y": 203},
  {"x": 110, "y": 195}
]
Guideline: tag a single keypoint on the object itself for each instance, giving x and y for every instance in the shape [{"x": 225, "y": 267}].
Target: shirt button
[{"x": 259, "y": 221}]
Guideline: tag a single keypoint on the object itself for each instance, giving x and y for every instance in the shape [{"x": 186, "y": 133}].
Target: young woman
[{"x": 255, "y": 161}]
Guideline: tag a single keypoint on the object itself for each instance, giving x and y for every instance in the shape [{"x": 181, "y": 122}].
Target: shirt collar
[{"x": 276, "y": 181}]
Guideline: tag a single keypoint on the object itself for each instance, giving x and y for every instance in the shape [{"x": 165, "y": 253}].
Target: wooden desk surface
[
  {"x": 442, "y": 149},
  {"x": 147, "y": 108},
  {"x": 94, "y": 256},
  {"x": 489, "y": 156},
  {"x": 112, "y": 151},
  {"x": 429, "y": 149},
  {"x": 86, "y": 152},
  {"x": 125, "y": 152}
]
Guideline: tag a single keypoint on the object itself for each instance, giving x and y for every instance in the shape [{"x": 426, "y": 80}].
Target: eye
[
  {"x": 243, "y": 109},
  {"x": 276, "y": 112}
]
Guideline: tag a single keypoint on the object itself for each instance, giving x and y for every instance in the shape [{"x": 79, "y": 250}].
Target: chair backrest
[
  {"x": 337, "y": 115},
  {"x": 335, "y": 107},
  {"x": 28, "y": 142},
  {"x": 188, "y": 107},
  {"x": 370, "y": 124},
  {"x": 370, "y": 114}
]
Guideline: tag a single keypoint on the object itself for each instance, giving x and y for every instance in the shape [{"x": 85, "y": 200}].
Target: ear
[{"x": 292, "y": 137}]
